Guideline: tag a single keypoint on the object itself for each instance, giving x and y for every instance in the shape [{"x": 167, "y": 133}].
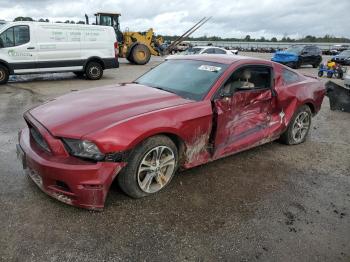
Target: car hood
[
  {"x": 80, "y": 113},
  {"x": 285, "y": 53},
  {"x": 283, "y": 56}
]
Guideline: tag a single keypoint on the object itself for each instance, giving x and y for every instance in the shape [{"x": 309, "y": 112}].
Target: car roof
[{"x": 223, "y": 59}]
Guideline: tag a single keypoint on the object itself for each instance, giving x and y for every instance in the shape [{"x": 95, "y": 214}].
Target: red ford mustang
[{"x": 184, "y": 113}]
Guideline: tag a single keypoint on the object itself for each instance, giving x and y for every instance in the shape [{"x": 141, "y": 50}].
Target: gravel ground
[{"x": 271, "y": 203}]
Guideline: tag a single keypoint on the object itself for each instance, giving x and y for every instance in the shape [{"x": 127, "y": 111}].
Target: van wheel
[
  {"x": 4, "y": 75},
  {"x": 79, "y": 74},
  {"x": 93, "y": 71}
]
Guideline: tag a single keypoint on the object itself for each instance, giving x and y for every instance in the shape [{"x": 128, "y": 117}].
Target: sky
[{"x": 230, "y": 18}]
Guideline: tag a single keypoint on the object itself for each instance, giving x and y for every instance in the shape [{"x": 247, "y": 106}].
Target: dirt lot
[{"x": 271, "y": 203}]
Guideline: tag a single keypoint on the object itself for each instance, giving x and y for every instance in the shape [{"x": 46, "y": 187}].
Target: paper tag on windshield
[{"x": 209, "y": 68}]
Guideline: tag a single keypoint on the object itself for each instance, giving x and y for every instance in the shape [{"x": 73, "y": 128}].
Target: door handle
[{"x": 31, "y": 48}]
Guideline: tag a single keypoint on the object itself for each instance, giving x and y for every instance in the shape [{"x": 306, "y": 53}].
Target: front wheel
[
  {"x": 93, "y": 71},
  {"x": 150, "y": 168},
  {"x": 298, "y": 127},
  {"x": 4, "y": 75}
]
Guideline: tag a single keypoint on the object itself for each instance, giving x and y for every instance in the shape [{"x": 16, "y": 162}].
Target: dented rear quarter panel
[{"x": 309, "y": 91}]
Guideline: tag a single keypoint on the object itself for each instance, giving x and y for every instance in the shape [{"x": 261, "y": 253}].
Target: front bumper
[{"x": 66, "y": 178}]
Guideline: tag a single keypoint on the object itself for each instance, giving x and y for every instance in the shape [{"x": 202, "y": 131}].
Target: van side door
[
  {"x": 18, "y": 48},
  {"x": 59, "y": 47}
]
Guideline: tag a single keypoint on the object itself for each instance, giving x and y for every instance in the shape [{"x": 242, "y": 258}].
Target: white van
[{"x": 34, "y": 47}]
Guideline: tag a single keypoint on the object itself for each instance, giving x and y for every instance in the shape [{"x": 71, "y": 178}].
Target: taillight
[{"x": 116, "y": 49}]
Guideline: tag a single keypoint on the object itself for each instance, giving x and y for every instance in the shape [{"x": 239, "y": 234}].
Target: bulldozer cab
[{"x": 110, "y": 19}]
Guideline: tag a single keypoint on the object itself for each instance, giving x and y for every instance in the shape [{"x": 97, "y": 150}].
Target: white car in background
[{"x": 196, "y": 50}]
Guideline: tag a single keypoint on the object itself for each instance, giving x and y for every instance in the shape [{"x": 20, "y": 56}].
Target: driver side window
[
  {"x": 15, "y": 36},
  {"x": 248, "y": 78}
]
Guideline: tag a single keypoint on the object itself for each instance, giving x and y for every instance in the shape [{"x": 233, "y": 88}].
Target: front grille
[{"x": 38, "y": 138}]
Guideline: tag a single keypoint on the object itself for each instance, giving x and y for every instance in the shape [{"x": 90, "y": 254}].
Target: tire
[
  {"x": 133, "y": 181},
  {"x": 290, "y": 136},
  {"x": 320, "y": 73},
  {"x": 315, "y": 65},
  {"x": 79, "y": 74},
  {"x": 329, "y": 74},
  {"x": 297, "y": 65},
  {"x": 4, "y": 75},
  {"x": 140, "y": 54},
  {"x": 291, "y": 64},
  {"x": 93, "y": 71},
  {"x": 129, "y": 58}
]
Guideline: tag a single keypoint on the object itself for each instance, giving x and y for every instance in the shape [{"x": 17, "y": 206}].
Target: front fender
[{"x": 188, "y": 122}]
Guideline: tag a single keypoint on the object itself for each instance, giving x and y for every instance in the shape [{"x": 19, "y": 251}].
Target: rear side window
[
  {"x": 209, "y": 51},
  {"x": 219, "y": 51},
  {"x": 249, "y": 78},
  {"x": 15, "y": 36},
  {"x": 290, "y": 77}
]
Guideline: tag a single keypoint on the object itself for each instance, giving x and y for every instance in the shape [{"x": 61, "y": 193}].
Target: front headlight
[{"x": 83, "y": 149}]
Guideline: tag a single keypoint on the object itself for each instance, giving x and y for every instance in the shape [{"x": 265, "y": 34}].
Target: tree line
[
  {"x": 23, "y": 18},
  {"x": 248, "y": 38},
  {"x": 308, "y": 39}
]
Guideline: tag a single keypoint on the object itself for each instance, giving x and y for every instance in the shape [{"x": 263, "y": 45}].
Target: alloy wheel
[
  {"x": 301, "y": 126},
  {"x": 156, "y": 169}
]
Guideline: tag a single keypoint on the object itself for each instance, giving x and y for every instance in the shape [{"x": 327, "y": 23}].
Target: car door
[
  {"x": 242, "y": 109},
  {"x": 17, "y": 48},
  {"x": 306, "y": 56}
]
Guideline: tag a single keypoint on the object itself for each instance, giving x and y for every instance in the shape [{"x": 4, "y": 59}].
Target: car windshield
[
  {"x": 345, "y": 53},
  {"x": 192, "y": 51},
  {"x": 189, "y": 79},
  {"x": 295, "y": 49}
]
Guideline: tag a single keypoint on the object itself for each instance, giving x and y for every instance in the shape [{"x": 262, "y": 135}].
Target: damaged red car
[{"x": 187, "y": 111}]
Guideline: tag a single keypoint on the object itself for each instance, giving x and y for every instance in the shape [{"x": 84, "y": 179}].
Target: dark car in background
[
  {"x": 298, "y": 55},
  {"x": 337, "y": 49},
  {"x": 343, "y": 58}
]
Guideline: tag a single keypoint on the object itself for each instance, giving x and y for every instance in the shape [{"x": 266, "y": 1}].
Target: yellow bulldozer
[{"x": 137, "y": 47}]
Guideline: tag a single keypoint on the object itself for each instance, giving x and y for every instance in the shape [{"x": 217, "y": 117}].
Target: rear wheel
[
  {"x": 4, "y": 75},
  {"x": 151, "y": 166},
  {"x": 140, "y": 54},
  {"x": 298, "y": 127},
  {"x": 93, "y": 71}
]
